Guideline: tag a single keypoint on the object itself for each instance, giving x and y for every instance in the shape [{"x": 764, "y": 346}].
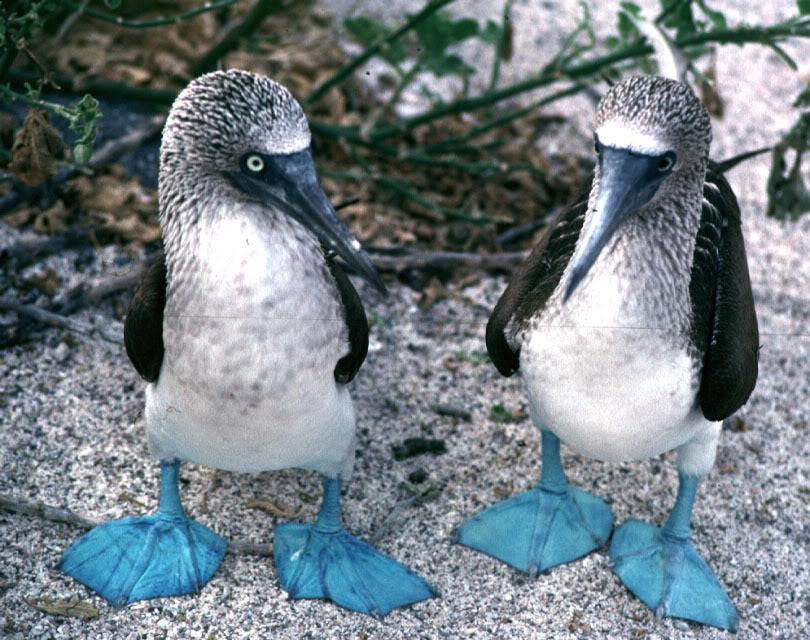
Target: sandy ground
[{"x": 71, "y": 434}]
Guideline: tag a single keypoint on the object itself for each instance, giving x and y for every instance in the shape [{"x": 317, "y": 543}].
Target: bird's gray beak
[
  {"x": 627, "y": 181},
  {"x": 289, "y": 182}
]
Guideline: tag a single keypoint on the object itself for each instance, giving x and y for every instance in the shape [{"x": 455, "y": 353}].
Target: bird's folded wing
[
  {"x": 725, "y": 323},
  {"x": 143, "y": 328},
  {"x": 532, "y": 285},
  {"x": 356, "y": 322}
]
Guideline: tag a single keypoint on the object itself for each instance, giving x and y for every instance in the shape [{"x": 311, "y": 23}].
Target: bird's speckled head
[
  {"x": 652, "y": 144},
  {"x": 223, "y": 115},
  {"x": 236, "y": 147},
  {"x": 652, "y": 115}
]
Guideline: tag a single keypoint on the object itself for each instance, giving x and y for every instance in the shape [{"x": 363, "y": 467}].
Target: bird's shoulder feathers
[
  {"x": 532, "y": 284},
  {"x": 724, "y": 322},
  {"x": 143, "y": 327},
  {"x": 356, "y": 322}
]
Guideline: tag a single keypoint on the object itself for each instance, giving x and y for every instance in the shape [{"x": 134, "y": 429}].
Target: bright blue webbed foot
[
  {"x": 662, "y": 568},
  {"x": 344, "y": 569},
  {"x": 542, "y": 528},
  {"x": 165, "y": 554},
  {"x": 539, "y": 529},
  {"x": 669, "y": 576},
  {"x": 324, "y": 561},
  {"x": 146, "y": 557}
]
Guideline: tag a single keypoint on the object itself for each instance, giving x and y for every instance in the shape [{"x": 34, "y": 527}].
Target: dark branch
[
  {"x": 112, "y": 332},
  {"x": 231, "y": 39}
]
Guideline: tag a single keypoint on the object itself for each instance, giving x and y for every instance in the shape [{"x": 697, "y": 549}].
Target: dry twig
[
  {"x": 56, "y": 514},
  {"x": 111, "y": 332}
]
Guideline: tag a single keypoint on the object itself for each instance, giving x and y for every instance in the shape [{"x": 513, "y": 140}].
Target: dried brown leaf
[
  {"x": 83, "y": 60},
  {"x": 117, "y": 203},
  {"x": 46, "y": 281},
  {"x": 20, "y": 217},
  {"x": 272, "y": 508},
  {"x": 711, "y": 97},
  {"x": 132, "y": 74},
  {"x": 431, "y": 294},
  {"x": 53, "y": 220},
  {"x": 129, "y": 227},
  {"x": 37, "y": 146},
  {"x": 110, "y": 195},
  {"x": 171, "y": 65},
  {"x": 72, "y": 608}
]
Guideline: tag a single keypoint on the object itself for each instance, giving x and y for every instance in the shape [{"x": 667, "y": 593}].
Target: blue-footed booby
[
  {"x": 633, "y": 325},
  {"x": 247, "y": 331}
]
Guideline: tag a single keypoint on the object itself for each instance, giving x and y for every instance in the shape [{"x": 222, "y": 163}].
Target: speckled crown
[
  {"x": 662, "y": 109},
  {"x": 224, "y": 114}
]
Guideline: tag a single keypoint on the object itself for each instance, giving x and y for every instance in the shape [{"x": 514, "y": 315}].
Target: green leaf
[
  {"x": 627, "y": 28},
  {"x": 627, "y": 25},
  {"x": 717, "y": 19},
  {"x": 493, "y": 32},
  {"x": 788, "y": 195},
  {"x": 681, "y": 19},
  {"x": 447, "y": 65},
  {"x": 365, "y": 30},
  {"x": 439, "y": 31},
  {"x": 463, "y": 29},
  {"x": 369, "y": 32},
  {"x": 474, "y": 357},
  {"x": 804, "y": 7},
  {"x": 499, "y": 413},
  {"x": 83, "y": 120}
]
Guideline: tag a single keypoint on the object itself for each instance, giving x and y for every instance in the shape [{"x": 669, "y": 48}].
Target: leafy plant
[
  {"x": 82, "y": 117},
  {"x": 427, "y": 45},
  {"x": 436, "y": 139},
  {"x": 788, "y": 195},
  {"x": 431, "y": 40}
]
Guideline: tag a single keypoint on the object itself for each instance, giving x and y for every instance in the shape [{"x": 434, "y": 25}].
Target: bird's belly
[
  {"x": 252, "y": 331},
  {"x": 608, "y": 393},
  {"x": 308, "y": 424},
  {"x": 247, "y": 394}
]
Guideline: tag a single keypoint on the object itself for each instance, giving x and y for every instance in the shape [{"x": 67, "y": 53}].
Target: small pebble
[{"x": 62, "y": 352}]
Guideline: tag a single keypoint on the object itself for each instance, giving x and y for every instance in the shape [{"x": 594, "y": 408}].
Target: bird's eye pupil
[
  {"x": 254, "y": 163},
  {"x": 665, "y": 163}
]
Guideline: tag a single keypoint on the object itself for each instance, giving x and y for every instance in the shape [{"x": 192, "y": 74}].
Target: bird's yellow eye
[{"x": 254, "y": 163}]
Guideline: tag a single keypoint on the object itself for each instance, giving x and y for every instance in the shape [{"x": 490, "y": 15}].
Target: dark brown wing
[
  {"x": 532, "y": 284},
  {"x": 143, "y": 328},
  {"x": 355, "y": 316},
  {"x": 724, "y": 320}
]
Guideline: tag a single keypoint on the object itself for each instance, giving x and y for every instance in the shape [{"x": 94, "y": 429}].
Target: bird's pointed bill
[
  {"x": 627, "y": 182},
  {"x": 290, "y": 183}
]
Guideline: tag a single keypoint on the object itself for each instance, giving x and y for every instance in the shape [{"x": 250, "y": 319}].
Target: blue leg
[
  {"x": 550, "y": 525},
  {"x": 323, "y": 561},
  {"x": 662, "y": 568},
  {"x": 165, "y": 554}
]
